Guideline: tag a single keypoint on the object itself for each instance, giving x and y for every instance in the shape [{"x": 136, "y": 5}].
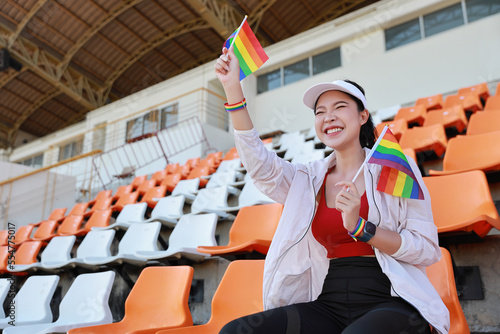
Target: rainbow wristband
[
  {"x": 236, "y": 106},
  {"x": 358, "y": 230}
]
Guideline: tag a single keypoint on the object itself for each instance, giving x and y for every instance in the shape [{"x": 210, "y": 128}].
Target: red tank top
[{"x": 328, "y": 229}]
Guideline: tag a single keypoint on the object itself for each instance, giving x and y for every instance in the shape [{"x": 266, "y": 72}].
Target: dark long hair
[{"x": 367, "y": 134}]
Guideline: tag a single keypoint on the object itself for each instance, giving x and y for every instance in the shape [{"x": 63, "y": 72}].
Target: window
[
  {"x": 169, "y": 116},
  {"x": 99, "y": 137},
  {"x": 444, "y": 19},
  {"x": 297, "y": 71},
  {"x": 35, "y": 162},
  {"x": 477, "y": 9},
  {"x": 71, "y": 149},
  {"x": 269, "y": 81},
  {"x": 402, "y": 34},
  {"x": 326, "y": 61}
]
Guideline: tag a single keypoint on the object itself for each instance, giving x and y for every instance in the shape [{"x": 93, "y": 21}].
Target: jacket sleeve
[
  {"x": 419, "y": 237},
  {"x": 271, "y": 174}
]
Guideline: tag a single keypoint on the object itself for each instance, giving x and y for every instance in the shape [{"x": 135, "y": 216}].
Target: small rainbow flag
[
  {"x": 247, "y": 49},
  {"x": 397, "y": 177}
]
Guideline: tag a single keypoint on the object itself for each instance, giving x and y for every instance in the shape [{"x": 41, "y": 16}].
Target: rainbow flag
[
  {"x": 247, "y": 49},
  {"x": 397, "y": 177}
]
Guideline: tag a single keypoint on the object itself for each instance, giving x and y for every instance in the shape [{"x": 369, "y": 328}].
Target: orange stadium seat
[
  {"x": 98, "y": 219},
  {"x": 182, "y": 170},
  {"x": 483, "y": 122},
  {"x": 170, "y": 181},
  {"x": 102, "y": 203},
  {"x": 493, "y": 103},
  {"x": 192, "y": 163},
  {"x": 452, "y": 117},
  {"x": 171, "y": 168},
  {"x": 412, "y": 115},
  {"x": 431, "y": 102},
  {"x": 397, "y": 127},
  {"x": 4, "y": 257},
  {"x": 122, "y": 190},
  {"x": 217, "y": 156},
  {"x": 57, "y": 214},
  {"x": 130, "y": 198},
  {"x": 27, "y": 253},
  {"x": 411, "y": 153},
  {"x": 469, "y": 101},
  {"x": 462, "y": 202},
  {"x": 151, "y": 194},
  {"x": 145, "y": 186},
  {"x": 482, "y": 90},
  {"x": 442, "y": 278},
  {"x": 231, "y": 154},
  {"x": 70, "y": 225},
  {"x": 497, "y": 92},
  {"x": 210, "y": 163},
  {"x": 158, "y": 300},
  {"x": 238, "y": 294},
  {"x": 198, "y": 172},
  {"x": 4, "y": 237},
  {"x": 136, "y": 182},
  {"x": 466, "y": 153},
  {"x": 429, "y": 138},
  {"x": 252, "y": 230},
  {"x": 79, "y": 209},
  {"x": 23, "y": 234},
  {"x": 100, "y": 195},
  {"x": 45, "y": 231},
  {"x": 159, "y": 176}
]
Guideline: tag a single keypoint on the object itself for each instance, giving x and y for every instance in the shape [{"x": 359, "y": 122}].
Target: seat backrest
[
  {"x": 453, "y": 208},
  {"x": 159, "y": 298},
  {"x": 33, "y": 300},
  {"x": 441, "y": 276},
  {"x": 170, "y": 206},
  {"x": 431, "y": 137},
  {"x": 57, "y": 214},
  {"x": 46, "y": 229},
  {"x": 222, "y": 178},
  {"x": 412, "y": 114},
  {"x": 152, "y": 193},
  {"x": 125, "y": 199},
  {"x": 493, "y": 103},
  {"x": 102, "y": 203},
  {"x": 229, "y": 165},
  {"x": 397, "y": 127},
  {"x": 4, "y": 237},
  {"x": 159, "y": 176},
  {"x": 98, "y": 219},
  {"x": 305, "y": 158},
  {"x": 250, "y": 195},
  {"x": 210, "y": 198},
  {"x": 58, "y": 250},
  {"x": 258, "y": 222},
  {"x": 239, "y": 293},
  {"x": 27, "y": 253},
  {"x": 145, "y": 186},
  {"x": 132, "y": 213},
  {"x": 122, "y": 190},
  {"x": 79, "y": 209},
  {"x": 186, "y": 187},
  {"x": 23, "y": 233},
  {"x": 231, "y": 154},
  {"x": 4, "y": 290},
  {"x": 140, "y": 237},
  {"x": 4, "y": 256},
  {"x": 103, "y": 194},
  {"x": 192, "y": 231},
  {"x": 86, "y": 300},
  {"x": 431, "y": 102},
  {"x": 481, "y": 89},
  {"x": 70, "y": 225},
  {"x": 136, "y": 182},
  {"x": 96, "y": 244},
  {"x": 483, "y": 122},
  {"x": 198, "y": 172},
  {"x": 171, "y": 180},
  {"x": 473, "y": 152},
  {"x": 447, "y": 116}
]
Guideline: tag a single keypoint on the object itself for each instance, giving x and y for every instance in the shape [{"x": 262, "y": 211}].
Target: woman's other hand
[{"x": 348, "y": 202}]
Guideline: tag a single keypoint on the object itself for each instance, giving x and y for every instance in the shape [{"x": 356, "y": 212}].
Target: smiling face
[{"x": 338, "y": 121}]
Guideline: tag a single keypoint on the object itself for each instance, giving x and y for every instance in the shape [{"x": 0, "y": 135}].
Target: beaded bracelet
[
  {"x": 235, "y": 106},
  {"x": 358, "y": 230}
]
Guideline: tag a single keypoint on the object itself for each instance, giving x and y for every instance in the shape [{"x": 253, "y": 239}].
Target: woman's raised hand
[{"x": 227, "y": 68}]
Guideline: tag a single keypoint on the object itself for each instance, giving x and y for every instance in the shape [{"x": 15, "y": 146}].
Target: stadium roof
[{"x": 69, "y": 57}]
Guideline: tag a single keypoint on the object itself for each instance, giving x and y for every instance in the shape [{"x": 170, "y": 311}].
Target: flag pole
[
  {"x": 239, "y": 28},
  {"x": 371, "y": 152}
]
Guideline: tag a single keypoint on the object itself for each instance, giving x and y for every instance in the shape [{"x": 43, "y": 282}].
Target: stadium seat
[
  {"x": 125, "y": 199},
  {"x": 238, "y": 294},
  {"x": 288, "y": 140},
  {"x": 5, "y": 285},
  {"x": 225, "y": 179},
  {"x": 431, "y": 102},
  {"x": 5, "y": 256},
  {"x": 168, "y": 210},
  {"x": 230, "y": 165},
  {"x": 210, "y": 163},
  {"x": 158, "y": 299},
  {"x": 249, "y": 196},
  {"x": 57, "y": 254},
  {"x": 190, "y": 232},
  {"x": 131, "y": 213},
  {"x": 159, "y": 176},
  {"x": 497, "y": 92},
  {"x": 145, "y": 186},
  {"x": 493, "y": 103},
  {"x": 199, "y": 172},
  {"x": 218, "y": 156},
  {"x": 452, "y": 117},
  {"x": 23, "y": 234},
  {"x": 462, "y": 202},
  {"x": 187, "y": 188},
  {"x": 136, "y": 182},
  {"x": 483, "y": 122},
  {"x": 153, "y": 194},
  {"x": 183, "y": 170},
  {"x": 171, "y": 181},
  {"x": 79, "y": 209},
  {"x": 301, "y": 148},
  {"x": 32, "y": 302},
  {"x": 70, "y": 225},
  {"x": 442, "y": 278},
  {"x": 481, "y": 89},
  {"x": 397, "y": 127},
  {"x": 231, "y": 154},
  {"x": 4, "y": 237},
  {"x": 85, "y": 304},
  {"x": 100, "y": 195},
  {"x": 57, "y": 214},
  {"x": 252, "y": 230},
  {"x": 98, "y": 219},
  {"x": 122, "y": 190},
  {"x": 192, "y": 163},
  {"x": 411, "y": 153},
  {"x": 102, "y": 203},
  {"x": 469, "y": 101},
  {"x": 96, "y": 244},
  {"x": 466, "y": 153},
  {"x": 412, "y": 115},
  {"x": 430, "y": 138},
  {"x": 171, "y": 168},
  {"x": 138, "y": 237},
  {"x": 26, "y": 256},
  {"x": 210, "y": 199},
  {"x": 306, "y": 158}
]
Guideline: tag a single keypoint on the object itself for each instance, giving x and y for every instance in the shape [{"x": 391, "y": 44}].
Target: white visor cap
[{"x": 312, "y": 95}]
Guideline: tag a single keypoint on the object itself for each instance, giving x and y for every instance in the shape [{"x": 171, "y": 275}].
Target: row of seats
[{"x": 158, "y": 301}]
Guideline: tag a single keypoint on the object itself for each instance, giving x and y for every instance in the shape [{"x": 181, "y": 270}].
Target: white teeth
[{"x": 333, "y": 130}]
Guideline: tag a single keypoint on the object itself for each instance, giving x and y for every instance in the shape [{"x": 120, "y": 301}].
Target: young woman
[{"x": 317, "y": 277}]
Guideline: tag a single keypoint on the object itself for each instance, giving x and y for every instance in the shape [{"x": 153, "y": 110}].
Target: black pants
[{"x": 355, "y": 299}]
